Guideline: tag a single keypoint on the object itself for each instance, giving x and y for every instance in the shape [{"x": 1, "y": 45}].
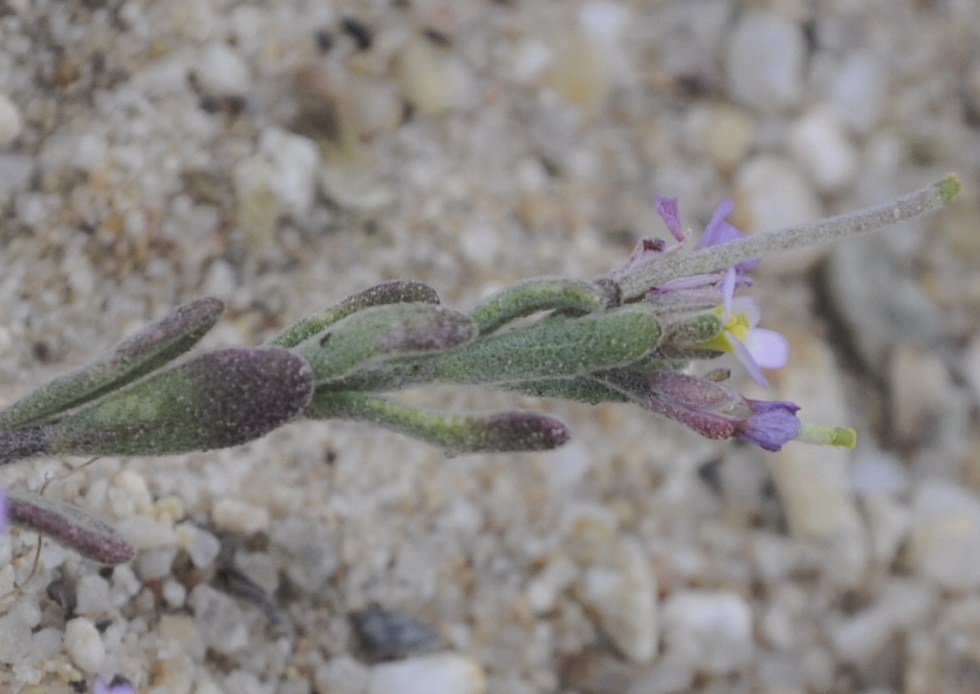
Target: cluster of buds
[{"x": 628, "y": 336}]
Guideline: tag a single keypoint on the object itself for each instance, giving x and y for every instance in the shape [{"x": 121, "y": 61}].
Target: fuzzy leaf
[
  {"x": 384, "y": 332},
  {"x": 483, "y": 432},
  {"x": 530, "y": 296},
  {"x": 69, "y": 525},
  {"x": 137, "y": 356},
  {"x": 394, "y": 292},
  {"x": 219, "y": 399}
]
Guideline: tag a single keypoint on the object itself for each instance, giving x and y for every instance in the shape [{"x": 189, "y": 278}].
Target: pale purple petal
[
  {"x": 745, "y": 356},
  {"x": 768, "y": 348},
  {"x": 728, "y": 291},
  {"x": 773, "y": 424},
  {"x": 670, "y": 213},
  {"x": 3, "y": 510},
  {"x": 718, "y": 230},
  {"x": 120, "y": 687}
]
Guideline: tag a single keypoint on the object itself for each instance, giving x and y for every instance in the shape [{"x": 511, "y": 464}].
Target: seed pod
[{"x": 540, "y": 294}]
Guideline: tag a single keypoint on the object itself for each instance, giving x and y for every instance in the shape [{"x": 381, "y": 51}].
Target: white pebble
[
  {"x": 440, "y": 673},
  {"x": 203, "y": 548},
  {"x": 84, "y": 645},
  {"x": 774, "y": 194},
  {"x": 711, "y": 630},
  {"x": 92, "y": 595},
  {"x": 343, "y": 675},
  {"x": 10, "y": 120},
  {"x": 234, "y": 516},
  {"x": 219, "y": 619},
  {"x": 822, "y": 148},
  {"x": 174, "y": 593},
  {"x": 221, "y": 72},
  {"x": 620, "y": 590},
  {"x": 766, "y": 57},
  {"x": 945, "y": 541},
  {"x": 146, "y": 533},
  {"x": 858, "y": 91}
]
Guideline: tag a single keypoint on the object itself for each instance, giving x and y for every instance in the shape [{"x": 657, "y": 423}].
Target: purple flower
[
  {"x": 118, "y": 685},
  {"x": 718, "y": 412},
  {"x": 3, "y": 510}
]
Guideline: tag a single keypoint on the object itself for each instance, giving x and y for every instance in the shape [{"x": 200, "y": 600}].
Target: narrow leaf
[
  {"x": 483, "y": 432},
  {"x": 219, "y": 399},
  {"x": 137, "y": 356},
  {"x": 384, "y": 332},
  {"x": 393, "y": 292},
  {"x": 69, "y": 525}
]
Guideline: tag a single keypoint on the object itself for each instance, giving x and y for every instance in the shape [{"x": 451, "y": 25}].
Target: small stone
[
  {"x": 92, "y": 595},
  {"x": 432, "y": 80},
  {"x": 84, "y": 645},
  {"x": 919, "y": 386},
  {"x": 219, "y": 619},
  {"x": 771, "y": 193},
  {"x": 945, "y": 539},
  {"x": 145, "y": 533},
  {"x": 711, "y": 630},
  {"x": 971, "y": 365},
  {"x": 308, "y": 550},
  {"x": 858, "y": 91},
  {"x": 10, "y": 120},
  {"x": 342, "y": 675},
  {"x": 221, "y": 72},
  {"x": 440, "y": 673},
  {"x": 238, "y": 517},
  {"x": 388, "y": 634},
  {"x": 765, "y": 61},
  {"x": 814, "y": 482},
  {"x": 155, "y": 563},
  {"x": 174, "y": 593},
  {"x": 889, "y": 522},
  {"x": 203, "y": 548},
  {"x": 823, "y": 150},
  {"x": 722, "y": 131},
  {"x": 15, "y": 638}
]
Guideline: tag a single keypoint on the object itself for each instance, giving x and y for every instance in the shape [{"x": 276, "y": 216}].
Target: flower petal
[
  {"x": 669, "y": 211},
  {"x": 768, "y": 348},
  {"x": 773, "y": 424}
]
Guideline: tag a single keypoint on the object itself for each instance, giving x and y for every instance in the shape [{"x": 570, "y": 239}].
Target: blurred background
[{"x": 282, "y": 155}]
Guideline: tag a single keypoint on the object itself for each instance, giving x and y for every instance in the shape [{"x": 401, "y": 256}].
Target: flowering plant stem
[{"x": 628, "y": 336}]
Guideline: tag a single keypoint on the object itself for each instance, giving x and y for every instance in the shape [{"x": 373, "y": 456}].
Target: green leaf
[
  {"x": 133, "y": 358},
  {"x": 220, "y": 399},
  {"x": 394, "y": 292}
]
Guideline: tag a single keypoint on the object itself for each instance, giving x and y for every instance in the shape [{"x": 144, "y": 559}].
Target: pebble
[
  {"x": 971, "y": 365},
  {"x": 238, "y": 517},
  {"x": 342, "y": 674},
  {"x": 389, "y": 634},
  {"x": 10, "y": 120},
  {"x": 84, "y": 645},
  {"x": 724, "y": 132},
  {"x": 889, "y": 521},
  {"x": 919, "y": 389},
  {"x": 711, "y": 630},
  {"x": 814, "y": 482},
  {"x": 202, "y": 547},
  {"x": 858, "y": 90},
  {"x": 821, "y": 147},
  {"x": 945, "y": 536},
  {"x": 144, "y": 533},
  {"x": 766, "y": 57},
  {"x": 307, "y": 549},
  {"x": 770, "y": 193},
  {"x": 219, "y": 619},
  {"x": 92, "y": 595},
  {"x": 440, "y": 673},
  {"x": 617, "y": 586},
  {"x": 433, "y": 81},
  {"x": 15, "y": 637},
  {"x": 901, "y": 605},
  {"x": 221, "y": 72}
]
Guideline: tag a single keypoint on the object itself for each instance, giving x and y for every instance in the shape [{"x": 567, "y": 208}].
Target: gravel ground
[{"x": 282, "y": 155}]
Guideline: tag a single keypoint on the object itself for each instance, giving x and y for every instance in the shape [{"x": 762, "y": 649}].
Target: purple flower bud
[{"x": 772, "y": 424}]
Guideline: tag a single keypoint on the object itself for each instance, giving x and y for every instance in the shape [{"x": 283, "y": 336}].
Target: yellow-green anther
[
  {"x": 483, "y": 432},
  {"x": 384, "y": 332},
  {"x": 394, "y": 292},
  {"x": 540, "y": 294},
  {"x": 147, "y": 350}
]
